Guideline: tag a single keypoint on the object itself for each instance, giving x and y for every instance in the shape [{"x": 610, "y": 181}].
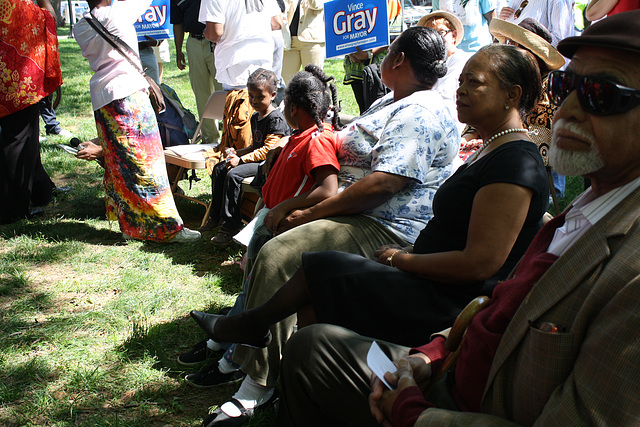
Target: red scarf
[{"x": 29, "y": 58}]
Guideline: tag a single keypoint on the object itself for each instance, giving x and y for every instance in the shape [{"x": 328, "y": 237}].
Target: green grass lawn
[{"x": 90, "y": 325}]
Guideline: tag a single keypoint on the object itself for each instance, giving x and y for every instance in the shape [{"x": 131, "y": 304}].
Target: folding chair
[{"x": 189, "y": 156}]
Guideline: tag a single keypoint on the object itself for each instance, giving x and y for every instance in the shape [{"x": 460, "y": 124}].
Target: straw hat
[
  {"x": 453, "y": 19},
  {"x": 503, "y": 30}
]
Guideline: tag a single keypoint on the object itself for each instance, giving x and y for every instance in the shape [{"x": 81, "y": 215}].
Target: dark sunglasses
[{"x": 597, "y": 96}]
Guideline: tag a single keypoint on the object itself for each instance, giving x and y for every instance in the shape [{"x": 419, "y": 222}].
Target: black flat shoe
[{"x": 208, "y": 321}]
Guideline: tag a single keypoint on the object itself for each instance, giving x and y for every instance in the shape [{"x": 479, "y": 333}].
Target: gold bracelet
[{"x": 390, "y": 258}]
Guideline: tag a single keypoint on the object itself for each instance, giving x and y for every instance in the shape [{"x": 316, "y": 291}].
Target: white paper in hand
[{"x": 380, "y": 363}]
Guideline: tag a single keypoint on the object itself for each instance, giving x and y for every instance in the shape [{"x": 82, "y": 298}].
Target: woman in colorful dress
[{"x": 137, "y": 191}]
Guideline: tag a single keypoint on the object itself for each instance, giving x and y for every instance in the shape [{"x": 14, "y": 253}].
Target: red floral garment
[{"x": 29, "y": 57}]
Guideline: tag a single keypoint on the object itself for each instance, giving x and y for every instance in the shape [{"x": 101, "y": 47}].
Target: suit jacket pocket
[{"x": 544, "y": 362}]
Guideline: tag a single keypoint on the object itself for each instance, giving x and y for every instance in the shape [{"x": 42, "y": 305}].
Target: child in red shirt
[{"x": 306, "y": 171}]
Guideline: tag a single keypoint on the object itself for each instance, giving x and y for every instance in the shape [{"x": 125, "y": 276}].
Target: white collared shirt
[{"x": 585, "y": 212}]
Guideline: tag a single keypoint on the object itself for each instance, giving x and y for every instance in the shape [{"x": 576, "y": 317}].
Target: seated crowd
[{"x": 408, "y": 240}]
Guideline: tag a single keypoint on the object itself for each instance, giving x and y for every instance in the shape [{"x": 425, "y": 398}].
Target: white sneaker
[
  {"x": 65, "y": 133},
  {"x": 186, "y": 235}
]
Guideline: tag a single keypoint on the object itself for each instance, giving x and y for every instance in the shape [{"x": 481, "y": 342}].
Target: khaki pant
[
  {"x": 280, "y": 258},
  {"x": 301, "y": 54},
  {"x": 202, "y": 72}
]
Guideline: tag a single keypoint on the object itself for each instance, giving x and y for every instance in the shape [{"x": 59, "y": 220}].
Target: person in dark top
[
  {"x": 485, "y": 216},
  {"x": 268, "y": 125},
  {"x": 202, "y": 70}
]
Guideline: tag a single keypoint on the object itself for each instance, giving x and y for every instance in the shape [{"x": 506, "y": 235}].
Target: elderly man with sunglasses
[{"x": 559, "y": 342}]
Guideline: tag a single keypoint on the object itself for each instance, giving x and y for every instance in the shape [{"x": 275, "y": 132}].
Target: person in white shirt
[
  {"x": 127, "y": 128},
  {"x": 240, "y": 30},
  {"x": 556, "y": 15}
]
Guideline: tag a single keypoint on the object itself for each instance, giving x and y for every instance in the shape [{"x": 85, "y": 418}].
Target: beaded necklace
[{"x": 490, "y": 140}]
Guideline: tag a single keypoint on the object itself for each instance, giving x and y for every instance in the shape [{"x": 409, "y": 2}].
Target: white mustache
[{"x": 574, "y": 128}]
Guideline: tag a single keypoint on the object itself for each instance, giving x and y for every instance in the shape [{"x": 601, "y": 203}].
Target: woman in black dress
[{"x": 485, "y": 216}]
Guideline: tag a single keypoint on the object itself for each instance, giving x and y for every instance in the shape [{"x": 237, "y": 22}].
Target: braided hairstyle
[
  {"x": 308, "y": 90},
  {"x": 426, "y": 51},
  {"x": 264, "y": 77}
]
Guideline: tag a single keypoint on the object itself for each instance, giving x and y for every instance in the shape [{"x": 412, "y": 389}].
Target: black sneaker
[
  {"x": 198, "y": 354},
  {"x": 211, "y": 376}
]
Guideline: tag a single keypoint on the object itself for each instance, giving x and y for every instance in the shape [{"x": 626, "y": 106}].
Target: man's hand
[
  {"x": 232, "y": 161},
  {"x": 381, "y": 399},
  {"x": 358, "y": 56},
  {"x": 180, "y": 60},
  {"x": 505, "y": 13}
]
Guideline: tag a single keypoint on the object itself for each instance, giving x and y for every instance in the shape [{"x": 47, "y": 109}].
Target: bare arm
[
  {"x": 46, "y": 5},
  {"x": 489, "y": 16},
  {"x": 497, "y": 216},
  {"x": 326, "y": 186},
  {"x": 599, "y": 8},
  {"x": 369, "y": 192},
  {"x": 213, "y": 31},
  {"x": 178, "y": 35},
  {"x": 276, "y": 22}
]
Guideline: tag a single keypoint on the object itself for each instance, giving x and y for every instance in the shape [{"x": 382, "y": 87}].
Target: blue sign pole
[{"x": 355, "y": 23}]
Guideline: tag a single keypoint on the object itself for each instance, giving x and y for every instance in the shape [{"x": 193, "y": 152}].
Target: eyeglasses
[
  {"x": 444, "y": 33},
  {"x": 597, "y": 96},
  {"x": 517, "y": 13}
]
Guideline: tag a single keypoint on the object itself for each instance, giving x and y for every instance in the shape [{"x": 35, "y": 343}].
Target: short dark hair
[
  {"x": 515, "y": 66},
  {"x": 312, "y": 91},
  {"x": 265, "y": 77},
  {"x": 426, "y": 51}
]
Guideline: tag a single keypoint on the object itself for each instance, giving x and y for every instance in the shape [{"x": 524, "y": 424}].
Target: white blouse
[{"x": 114, "y": 77}]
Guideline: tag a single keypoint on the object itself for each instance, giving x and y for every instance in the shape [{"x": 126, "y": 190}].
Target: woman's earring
[{"x": 506, "y": 107}]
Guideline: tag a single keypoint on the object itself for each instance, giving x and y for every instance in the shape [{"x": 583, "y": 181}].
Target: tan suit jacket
[
  {"x": 589, "y": 374},
  {"x": 311, "y": 25}
]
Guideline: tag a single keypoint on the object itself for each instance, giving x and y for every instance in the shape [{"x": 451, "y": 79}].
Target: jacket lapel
[{"x": 569, "y": 271}]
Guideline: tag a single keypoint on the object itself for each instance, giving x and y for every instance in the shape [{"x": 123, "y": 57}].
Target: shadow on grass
[{"x": 86, "y": 395}]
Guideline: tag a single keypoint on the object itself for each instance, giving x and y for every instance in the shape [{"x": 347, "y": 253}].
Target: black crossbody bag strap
[{"x": 113, "y": 40}]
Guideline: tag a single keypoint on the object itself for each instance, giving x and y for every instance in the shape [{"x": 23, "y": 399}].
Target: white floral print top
[{"x": 415, "y": 137}]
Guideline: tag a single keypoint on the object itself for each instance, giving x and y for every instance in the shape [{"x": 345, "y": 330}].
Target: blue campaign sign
[
  {"x": 155, "y": 22},
  {"x": 354, "y": 23}
]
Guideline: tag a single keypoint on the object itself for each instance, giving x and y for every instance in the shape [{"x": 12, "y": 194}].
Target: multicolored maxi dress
[{"x": 137, "y": 191}]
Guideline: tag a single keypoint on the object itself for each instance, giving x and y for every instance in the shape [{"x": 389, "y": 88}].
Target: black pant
[
  {"x": 226, "y": 187},
  {"x": 51, "y": 123},
  {"x": 22, "y": 177}
]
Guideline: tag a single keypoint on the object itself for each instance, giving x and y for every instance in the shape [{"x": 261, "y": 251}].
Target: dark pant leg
[
  {"x": 231, "y": 219},
  {"x": 19, "y": 157},
  {"x": 51, "y": 123},
  {"x": 358, "y": 93},
  {"x": 217, "y": 190},
  {"x": 325, "y": 377}
]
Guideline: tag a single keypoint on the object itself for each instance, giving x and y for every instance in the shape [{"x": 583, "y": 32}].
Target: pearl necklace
[{"x": 490, "y": 140}]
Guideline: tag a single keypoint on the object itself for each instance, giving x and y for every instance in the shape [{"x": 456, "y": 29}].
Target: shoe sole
[
  {"x": 189, "y": 364},
  {"x": 192, "y": 384}
]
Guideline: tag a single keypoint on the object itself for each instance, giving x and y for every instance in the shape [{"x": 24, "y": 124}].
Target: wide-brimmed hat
[
  {"x": 453, "y": 19},
  {"x": 535, "y": 44},
  {"x": 619, "y": 31}
]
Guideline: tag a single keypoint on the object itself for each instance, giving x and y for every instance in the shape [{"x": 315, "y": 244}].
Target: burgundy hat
[{"x": 619, "y": 31}]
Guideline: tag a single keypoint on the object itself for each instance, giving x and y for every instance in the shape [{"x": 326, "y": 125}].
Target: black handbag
[{"x": 155, "y": 94}]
